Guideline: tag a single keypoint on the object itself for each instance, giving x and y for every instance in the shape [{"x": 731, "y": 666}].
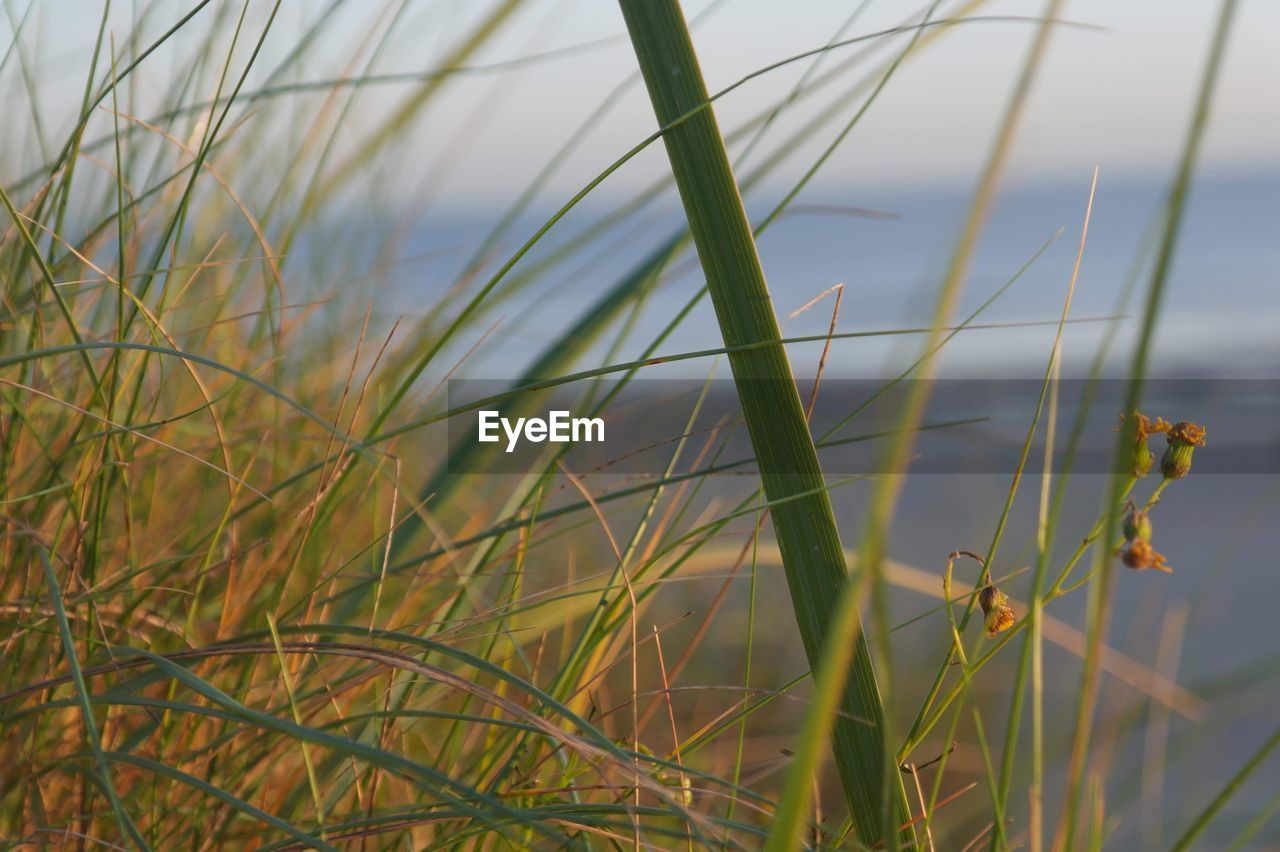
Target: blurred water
[{"x": 1218, "y": 317}]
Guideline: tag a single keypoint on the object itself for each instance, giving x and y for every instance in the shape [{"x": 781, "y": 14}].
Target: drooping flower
[
  {"x": 1184, "y": 436},
  {"x": 1140, "y": 555},
  {"x": 1142, "y": 459},
  {"x": 998, "y": 614}
]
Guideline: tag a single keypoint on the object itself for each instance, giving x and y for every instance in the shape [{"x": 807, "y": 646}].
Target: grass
[
  {"x": 803, "y": 521},
  {"x": 247, "y": 602}
]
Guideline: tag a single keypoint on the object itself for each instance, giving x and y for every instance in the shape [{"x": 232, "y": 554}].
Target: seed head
[
  {"x": 1137, "y": 525},
  {"x": 1184, "y": 436},
  {"x": 1142, "y": 458}
]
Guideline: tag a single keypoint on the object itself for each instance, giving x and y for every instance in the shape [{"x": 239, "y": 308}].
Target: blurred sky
[
  {"x": 1118, "y": 95},
  {"x": 1119, "y": 98}
]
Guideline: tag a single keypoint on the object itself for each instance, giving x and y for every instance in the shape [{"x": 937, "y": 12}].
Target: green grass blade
[
  {"x": 1219, "y": 801},
  {"x": 127, "y": 826},
  {"x": 810, "y": 542},
  {"x": 217, "y": 793},
  {"x": 790, "y": 818}
]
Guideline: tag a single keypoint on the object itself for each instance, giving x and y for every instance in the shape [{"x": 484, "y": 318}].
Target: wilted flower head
[
  {"x": 1137, "y": 524},
  {"x": 998, "y": 614},
  {"x": 1144, "y": 427},
  {"x": 1184, "y": 436},
  {"x": 1140, "y": 555}
]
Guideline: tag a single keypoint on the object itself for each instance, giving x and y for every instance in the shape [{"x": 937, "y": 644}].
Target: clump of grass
[{"x": 244, "y": 603}]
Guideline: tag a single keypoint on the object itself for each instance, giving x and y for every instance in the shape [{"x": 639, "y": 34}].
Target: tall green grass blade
[
  {"x": 810, "y": 542},
  {"x": 787, "y": 831}
]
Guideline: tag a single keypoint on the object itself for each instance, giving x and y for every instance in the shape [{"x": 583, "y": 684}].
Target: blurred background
[{"x": 552, "y": 92}]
